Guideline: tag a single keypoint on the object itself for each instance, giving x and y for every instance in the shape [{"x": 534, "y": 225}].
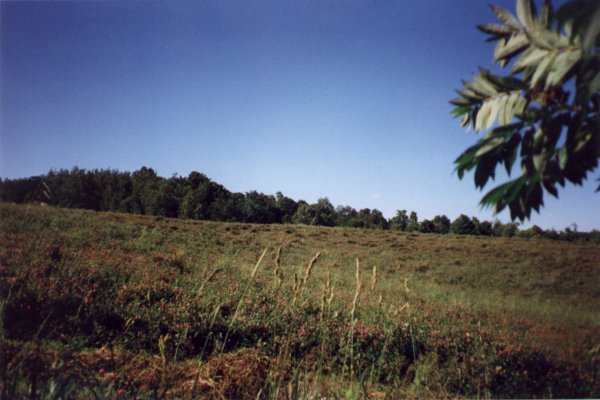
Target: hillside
[
  {"x": 101, "y": 304},
  {"x": 197, "y": 197}
]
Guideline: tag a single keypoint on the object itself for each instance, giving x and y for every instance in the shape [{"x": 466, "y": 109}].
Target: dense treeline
[{"x": 197, "y": 197}]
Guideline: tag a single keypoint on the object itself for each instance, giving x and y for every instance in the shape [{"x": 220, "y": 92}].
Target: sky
[{"x": 340, "y": 99}]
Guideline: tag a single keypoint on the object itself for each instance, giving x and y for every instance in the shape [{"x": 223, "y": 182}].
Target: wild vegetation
[
  {"x": 97, "y": 305},
  {"x": 198, "y": 197}
]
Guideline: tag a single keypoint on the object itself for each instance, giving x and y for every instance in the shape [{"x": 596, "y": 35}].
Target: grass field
[{"x": 98, "y": 305}]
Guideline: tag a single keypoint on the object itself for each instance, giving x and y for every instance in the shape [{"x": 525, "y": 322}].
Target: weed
[{"x": 105, "y": 305}]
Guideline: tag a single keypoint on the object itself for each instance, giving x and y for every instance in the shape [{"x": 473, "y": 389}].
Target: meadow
[{"x": 105, "y": 305}]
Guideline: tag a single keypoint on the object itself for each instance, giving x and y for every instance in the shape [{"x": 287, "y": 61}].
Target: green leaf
[
  {"x": 502, "y": 113},
  {"x": 461, "y": 101},
  {"x": 535, "y": 198},
  {"x": 562, "y": 65},
  {"x": 563, "y": 157},
  {"x": 495, "y": 38},
  {"x": 510, "y": 150},
  {"x": 460, "y": 111},
  {"x": 509, "y": 108},
  {"x": 595, "y": 84},
  {"x": 494, "y": 197},
  {"x": 489, "y": 86},
  {"x": 591, "y": 35},
  {"x": 506, "y": 17},
  {"x": 495, "y": 107},
  {"x": 520, "y": 106},
  {"x": 538, "y": 138},
  {"x": 484, "y": 171},
  {"x": 465, "y": 162},
  {"x": 469, "y": 94},
  {"x": 539, "y": 160},
  {"x": 509, "y": 48},
  {"x": 547, "y": 40},
  {"x": 588, "y": 82},
  {"x": 481, "y": 88},
  {"x": 494, "y": 29},
  {"x": 529, "y": 59},
  {"x": 525, "y": 13},
  {"x": 543, "y": 68},
  {"x": 483, "y": 115},
  {"x": 507, "y": 83},
  {"x": 546, "y": 14},
  {"x": 515, "y": 188},
  {"x": 551, "y": 188},
  {"x": 465, "y": 121},
  {"x": 583, "y": 141},
  {"x": 488, "y": 146},
  {"x": 503, "y": 131},
  {"x": 501, "y": 196}
]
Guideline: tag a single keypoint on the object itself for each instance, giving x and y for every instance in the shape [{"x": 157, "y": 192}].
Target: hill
[
  {"x": 198, "y": 197},
  {"x": 99, "y": 304}
]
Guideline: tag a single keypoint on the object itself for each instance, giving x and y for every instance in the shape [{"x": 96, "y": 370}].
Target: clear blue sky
[{"x": 343, "y": 99}]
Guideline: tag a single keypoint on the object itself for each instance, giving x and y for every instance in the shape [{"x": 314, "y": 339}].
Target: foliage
[
  {"x": 463, "y": 226},
  {"x": 413, "y": 222},
  {"x": 482, "y": 228},
  {"x": 441, "y": 224},
  {"x": 399, "y": 221},
  {"x": 531, "y": 115},
  {"x": 323, "y": 213},
  {"x": 426, "y": 226},
  {"x": 198, "y": 197}
]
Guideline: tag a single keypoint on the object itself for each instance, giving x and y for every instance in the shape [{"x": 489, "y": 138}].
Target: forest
[{"x": 198, "y": 197}]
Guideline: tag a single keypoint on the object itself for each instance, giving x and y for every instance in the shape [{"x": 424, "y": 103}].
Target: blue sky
[{"x": 343, "y": 99}]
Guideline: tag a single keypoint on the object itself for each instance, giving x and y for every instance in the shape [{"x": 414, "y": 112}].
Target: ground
[{"x": 106, "y": 304}]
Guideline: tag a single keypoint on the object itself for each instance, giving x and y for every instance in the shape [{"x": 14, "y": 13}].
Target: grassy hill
[{"x": 106, "y": 304}]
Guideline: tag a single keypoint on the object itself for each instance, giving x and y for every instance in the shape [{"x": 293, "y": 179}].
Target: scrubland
[{"x": 105, "y": 305}]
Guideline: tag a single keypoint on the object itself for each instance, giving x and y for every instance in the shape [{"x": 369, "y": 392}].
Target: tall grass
[
  {"x": 239, "y": 304},
  {"x": 112, "y": 305}
]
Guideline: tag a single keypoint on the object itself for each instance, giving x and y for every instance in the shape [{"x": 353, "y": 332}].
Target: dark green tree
[
  {"x": 197, "y": 198},
  {"x": 324, "y": 213},
  {"x": 426, "y": 226},
  {"x": 320, "y": 213},
  {"x": 505, "y": 230},
  {"x": 482, "y": 228},
  {"x": 533, "y": 232},
  {"x": 260, "y": 208},
  {"x": 286, "y": 208},
  {"x": 413, "y": 222},
  {"x": 221, "y": 207},
  {"x": 400, "y": 221},
  {"x": 346, "y": 216},
  {"x": 462, "y": 226},
  {"x": 377, "y": 220},
  {"x": 441, "y": 224},
  {"x": 304, "y": 213},
  {"x": 144, "y": 194},
  {"x": 167, "y": 200}
]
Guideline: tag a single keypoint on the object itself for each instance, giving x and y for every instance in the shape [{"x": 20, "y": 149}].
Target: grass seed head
[
  {"x": 356, "y": 290},
  {"x": 310, "y": 266},
  {"x": 373, "y": 278},
  {"x": 277, "y": 261}
]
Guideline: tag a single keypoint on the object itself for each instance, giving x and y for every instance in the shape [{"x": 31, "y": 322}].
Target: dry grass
[
  {"x": 183, "y": 308},
  {"x": 237, "y": 375}
]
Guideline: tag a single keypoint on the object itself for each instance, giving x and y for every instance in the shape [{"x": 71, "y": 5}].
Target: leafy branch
[{"x": 530, "y": 114}]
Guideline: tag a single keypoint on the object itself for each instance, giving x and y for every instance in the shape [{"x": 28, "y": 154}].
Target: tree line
[{"x": 198, "y": 197}]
